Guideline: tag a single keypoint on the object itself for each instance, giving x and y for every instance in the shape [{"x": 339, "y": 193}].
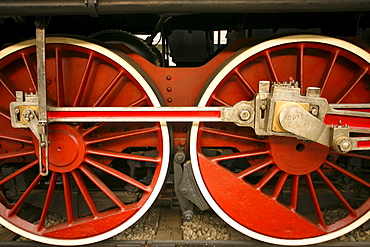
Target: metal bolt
[
  {"x": 343, "y": 144},
  {"x": 180, "y": 157},
  {"x": 188, "y": 215},
  {"x": 184, "y": 191},
  {"x": 263, "y": 107},
  {"x": 244, "y": 115},
  {"x": 16, "y": 110}
]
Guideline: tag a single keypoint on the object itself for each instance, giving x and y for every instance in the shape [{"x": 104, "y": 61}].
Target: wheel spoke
[
  {"x": 7, "y": 86},
  {"x": 110, "y": 87},
  {"x": 15, "y": 154},
  {"x": 123, "y": 135},
  {"x": 84, "y": 80},
  {"x": 351, "y": 85},
  {"x": 336, "y": 192},
  {"x": 294, "y": 193},
  {"x": 227, "y": 134},
  {"x": 348, "y": 174},
  {"x": 68, "y": 197},
  {"x": 270, "y": 67},
  {"x": 328, "y": 69},
  {"x": 16, "y": 138},
  {"x": 220, "y": 101},
  {"x": 267, "y": 177},
  {"x": 354, "y": 155},
  {"x": 122, "y": 155},
  {"x": 244, "y": 154},
  {"x": 18, "y": 172},
  {"x": 48, "y": 198},
  {"x": 31, "y": 70},
  {"x": 104, "y": 188},
  {"x": 253, "y": 169},
  {"x": 279, "y": 185},
  {"x": 59, "y": 77},
  {"x": 315, "y": 201},
  {"x": 25, "y": 194},
  {"x": 244, "y": 81},
  {"x": 118, "y": 174},
  {"x": 300, "y": 58},
  {"x": 85, "y": 192}
]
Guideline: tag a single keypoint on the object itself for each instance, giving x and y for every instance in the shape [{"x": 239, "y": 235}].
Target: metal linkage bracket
[{"x": 185, "y": 186}]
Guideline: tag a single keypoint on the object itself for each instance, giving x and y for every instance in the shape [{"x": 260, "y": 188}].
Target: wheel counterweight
[
  {"x": 103, "y": 176},
  {"x": 280, "y": 189}
]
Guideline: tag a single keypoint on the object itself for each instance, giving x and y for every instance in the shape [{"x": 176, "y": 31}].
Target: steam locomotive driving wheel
[
  {"x": 102, "y": 176},
  {"x": 282, "y": 189}
]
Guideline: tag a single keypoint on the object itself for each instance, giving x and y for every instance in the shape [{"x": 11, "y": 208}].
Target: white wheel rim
[
  {"x": 227, "y": 67},
  {"x": 124, "y": 62}
]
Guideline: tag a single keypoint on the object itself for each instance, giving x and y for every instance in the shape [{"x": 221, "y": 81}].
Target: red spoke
[
  {"x": 244, "y": 81},
  {"x": 48, "y": 198},
  {"x": 315, "y": 201},
  {"x": 218, "y": 100},
  {"x": 139, "y": 101},
  {"x": 16, "y": 154},
  {"x": 92, "y": 128},
  {"x": 25, "y": 194},
  {"x": 336, "y": 192},
  {"x": 254, "y": 169},
  {"x": 270, "y": 66},
  {"x": 123, "y": 135},
  {"x": 347, "y": 173},
  {"x": 5, "y": 114},
  {"x": 109, "y": 88},
  {"x": 267, "y": 177},
  {"x": 85, "y": 192},
  {"x": 122, "y": 155},
  {"x": 354, "y": 81},
  {"x": 328, "y": 69},
  {"x": 18, "y": 172},
  {"x": 31, "y": 70},
  {"x": 354, "y": 155},
  {"x": 16, "y": 138},
  {"x": 294, "y": 193},
  {"x": 104, "y": 188},
  {"x": 68, "y": 197},
  {"x": 6, "y": 84},
  {"x": 59, "y": 76},
  {"x": 300, "y": 57},
  {"x": 226, "y": 134},
  {"x": 85, "y": 77},
  {"x": 279, "y": 185},
  {"x": 244, "y": 154},
  {"x": 118, "y": 174}
]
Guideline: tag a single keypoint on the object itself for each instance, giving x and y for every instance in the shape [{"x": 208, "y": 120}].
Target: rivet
[
  {"x": 168, "y": 77},
  {"x": 169, "y": 89},
  {"x": 169, "y": 100}
]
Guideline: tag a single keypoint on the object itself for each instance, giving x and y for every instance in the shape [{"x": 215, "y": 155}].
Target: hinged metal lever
[
  {"x": 41, "y": 24},
  {"x": 301, "y": 123}
]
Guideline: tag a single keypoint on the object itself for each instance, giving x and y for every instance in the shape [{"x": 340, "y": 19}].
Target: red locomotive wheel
[
  {"x": 278, "y": 189},
  {"x": 103, "y": 176}
]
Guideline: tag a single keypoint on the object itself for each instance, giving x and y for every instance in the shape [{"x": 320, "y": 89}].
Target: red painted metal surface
[
  {"x": 266, "y": 182},
  {"x": 90, "y": 159}
]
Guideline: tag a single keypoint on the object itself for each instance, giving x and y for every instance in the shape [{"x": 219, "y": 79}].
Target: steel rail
[{"x": 102, "y": 7}]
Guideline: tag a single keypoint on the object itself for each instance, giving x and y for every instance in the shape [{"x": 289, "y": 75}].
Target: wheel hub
[
  {"x": 66, "y": 150},
  {"x": 295, "y": 157}
]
